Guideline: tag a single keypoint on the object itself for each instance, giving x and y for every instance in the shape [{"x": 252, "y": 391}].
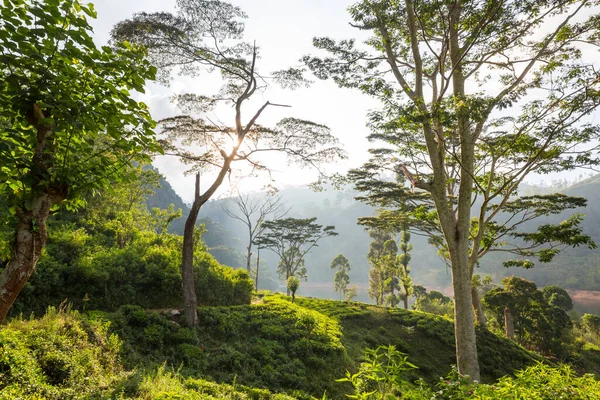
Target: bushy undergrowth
[
  {"x": 275, "y": 345},
  {"x": 65, "y": 355},
  {"x": 59, "y": 356},
  {"x": 95, "y": 275}
]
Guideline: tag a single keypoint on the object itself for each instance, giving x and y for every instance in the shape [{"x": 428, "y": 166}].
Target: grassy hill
[{"x": 239, "y": 352}]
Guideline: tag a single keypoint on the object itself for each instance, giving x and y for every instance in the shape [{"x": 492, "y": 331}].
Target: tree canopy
[{"x": 68, "y": 123}]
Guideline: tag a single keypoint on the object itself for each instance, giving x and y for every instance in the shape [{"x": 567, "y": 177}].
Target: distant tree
[
  {"x": 433, "y": 302},
  {"x": 379, "y": 259},
  {"x": 293, "y": 283},
  {"x": 351, "y": 292},
  {"x": 205, "y": 36},
  {"x": 68, "y": 124},
  {"x": 591, "y": 323},
  {"x": 557, "y": 296},
  {"x": 419, "y": 291},
  {"x": 341, "y": 279},
  {"x": 404, "y": 260},
  {"x": 252, "y": 211},
  {"x": 163, "y": 218},
  {"x": 463, "y": 123},
  {"x": 521, "y": 307},
  {"x": 291, "y": 239}
]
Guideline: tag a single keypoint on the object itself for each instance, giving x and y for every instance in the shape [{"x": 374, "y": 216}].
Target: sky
[{"x": 283, "y": 29}]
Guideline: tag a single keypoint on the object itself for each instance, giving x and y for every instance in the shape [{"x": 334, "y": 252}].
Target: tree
[
  {"x": 341, "y": 279},
  {"x": 68, "y": 124},
  {"x": 557, "y": 296},
  {"x": 524, "y": 311},
  {"x": 205, "y": 36},
  {"x": 293, "y": 283},
  {"x": 378, "y": 274},
  {"x": 291, "y": 239},
  {"x": 254, "y": 211},
  {"x": 464, "y": 122},
  {"x": 404, "y": 260}
]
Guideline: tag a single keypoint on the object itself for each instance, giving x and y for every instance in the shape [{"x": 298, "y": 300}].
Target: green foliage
[
  {"x": 274, "y": 344},
  {"x": 291, "y": 239},
  {"x": 86, "y": 262},
  {"x": 380, "y": 376},
  {"x": 341, "y": 279},
  {"x": 434, "y": 302},
  {"x": 427, "y": 339},
  {"x": 537, "y": 323},
  {"x": 292, "y": 284},
  {"x": 73, "y": 96},
  {"x": 536, "y": 382},
  {"x": 61, "y": 355}
]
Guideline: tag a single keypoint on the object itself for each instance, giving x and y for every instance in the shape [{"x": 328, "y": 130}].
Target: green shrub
[{"x": 61, "y": 355}]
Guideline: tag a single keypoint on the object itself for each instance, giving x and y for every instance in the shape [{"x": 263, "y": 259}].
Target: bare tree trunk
[
  {"x": 466, "y": 344},
  {"x": 405, "y": 298},
  {"x": 509, "y": 329},
  {"x": 190, "y": 300},
  {"x": 248, "y": 259},
  {"x": 479, "y": 314},
  {"x": 30, "y": 239},
  {"x": 257, "y": 265}
]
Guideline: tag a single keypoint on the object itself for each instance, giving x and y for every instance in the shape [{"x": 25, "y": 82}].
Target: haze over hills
[{"x": 577, "y": 268}]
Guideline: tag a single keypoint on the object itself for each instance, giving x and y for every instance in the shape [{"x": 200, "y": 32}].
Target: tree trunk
[
  {"x": 257, "y": 265},
  {"x": 30, "y": 239},
  {"x": 405, "y": 298},
  {"x": 190, "y": 300},
  {"x": 293, "y": 297},
  {"x": 479, "y": 314},
  {"x": 509, "y": 329},
  {"x": 248, "y": 259},
  {"x": 466, "y": 344}
]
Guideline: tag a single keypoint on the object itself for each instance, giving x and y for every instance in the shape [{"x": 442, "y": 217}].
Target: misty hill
[{"x": 577, "y": 268}]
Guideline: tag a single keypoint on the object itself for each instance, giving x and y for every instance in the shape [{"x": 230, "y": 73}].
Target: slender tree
[
  {"x": 67, "y": 121},
  {"x": 382, "y": 257},
  {"x": 205, "y": 36},
  {"x": 252, "y": 211},
  {"x": 476, "y": 95},
  {"x": 341, "y": 279},
  {"x": 292, "y": 283},
  {"x": 291, "y": 239},
  {"x": 404, "y": 260}
]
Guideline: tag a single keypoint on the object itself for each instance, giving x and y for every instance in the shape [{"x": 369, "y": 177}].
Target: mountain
[{"x": 577, "y": 268}]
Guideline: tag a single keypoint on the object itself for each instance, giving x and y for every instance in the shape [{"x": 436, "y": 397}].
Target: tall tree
[
  {"x": 476, "y": 95},
  {"x": 341, "y": 279},
  {"x": 205, "y": 36},
  {"x": 404, "y": 261},
  {"x": 291, "y": 239},
  {"x": 252, "y": 211},
  {"x": 67, "y": 121},
  {"x": 382, "y": 259}
]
